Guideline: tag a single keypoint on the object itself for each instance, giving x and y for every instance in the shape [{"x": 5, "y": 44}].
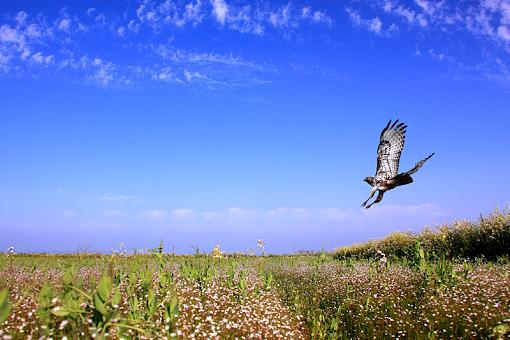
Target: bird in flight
[{"x": 388, "y": 157}]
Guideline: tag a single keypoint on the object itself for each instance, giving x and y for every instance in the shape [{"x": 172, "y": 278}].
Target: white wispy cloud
[
  {"x": 373, "y": 25},
  {"x": 491, "y": 18},
  {"x": 97, "y": 70},
  {"x": 192, "y": 13},
  {"x": 485, "y": 18},
  {"x": 409, "y": 14},
  {"x": 284, "y": 18},
  {"x": 208, "y": 69},
  {"x": 30, "y": 43},
  {"x": 157, "y": 15},
  {"x": 121, "y": 31},
  {"x": 181, "y": 56},
  {"x": 21, "y": 17},
  {"x": 245, "y": 21},
  {"x": 39, "y": 57},
  {"x": 316, "y": 16},
  {"x": 64, "y": 25},
  {"x": 104, "y": 73},
  {"x": 281, "y": 17},
  {"x": 484, "y": 23},
  {"x": 4, "y": 62},
  {"x": 28, "y": 40},
  {"x": 504, "y": 32},
  {"x": 165, "y": 74},
  {"x": 244, "y": 18},
  {"x": 436, "y": 55},
  {"x": 176, "y": 66},
  {"x": 101, "y": 20},
  {"x": 34, "y": 31},
  {"x": 220, "y": 10},
  {"x": 12, "y": 35}
]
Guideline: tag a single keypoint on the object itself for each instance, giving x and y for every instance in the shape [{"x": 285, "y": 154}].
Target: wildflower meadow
[{"x": 419, "y": 286}]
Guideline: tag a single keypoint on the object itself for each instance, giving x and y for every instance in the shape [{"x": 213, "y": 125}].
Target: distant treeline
[{"x": 488, "y": 237}]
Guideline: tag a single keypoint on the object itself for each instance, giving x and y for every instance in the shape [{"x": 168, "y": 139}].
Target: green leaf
[
  {"x": 59, "y": 311},
  {"x": 116, "y": 296},
  {"x": 172, "y": 308},
  {"x": 133, "y": 322},
  {"x": 133, "y": 305},
  {"x": 45, "y": 296},
  {"x": 5, "y": 307},
  {"x": 69, "y": 276},
  {"x": 121, "y": 325},
  {"x": 174, "y": 305},
  {"x": 99, "y": 305},
  {"x": 151, "y": 303},
  {"x": 501, "y": 329},
  {"x": 104, "y": 287},
  {"x": 242, "y": 284},
  {"x": 162, "y": 279}
]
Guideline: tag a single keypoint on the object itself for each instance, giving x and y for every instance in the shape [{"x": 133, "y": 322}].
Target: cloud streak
[
  {"x": 287, "y": 215},
  {"x": 56, "y": 44},
  {"x": 31, "y": 44},
  {"x": 373, "y": 25},
  {"x": 484, "y": 24},
  {"x": 485, "y": 19}
]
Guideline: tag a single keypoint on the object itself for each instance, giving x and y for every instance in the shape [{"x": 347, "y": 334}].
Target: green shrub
[{"x": 489, "y": 237}]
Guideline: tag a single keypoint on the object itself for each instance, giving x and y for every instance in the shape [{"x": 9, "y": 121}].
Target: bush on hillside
[{"x": 488, "y": 237}]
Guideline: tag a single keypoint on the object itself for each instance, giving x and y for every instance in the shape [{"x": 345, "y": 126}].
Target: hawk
[{"x": 388, "y": 157}]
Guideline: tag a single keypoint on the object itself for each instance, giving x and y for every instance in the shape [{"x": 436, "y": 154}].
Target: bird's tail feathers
[
  {"x": 420, "y": 164},
  {"x": 402, "y": 179}
]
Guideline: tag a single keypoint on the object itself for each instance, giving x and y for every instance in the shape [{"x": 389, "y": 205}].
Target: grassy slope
[{"x": 488, "y": 237}]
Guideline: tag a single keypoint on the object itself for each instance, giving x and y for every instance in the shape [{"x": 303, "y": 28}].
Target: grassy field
[{"x": 418, "y": 294}]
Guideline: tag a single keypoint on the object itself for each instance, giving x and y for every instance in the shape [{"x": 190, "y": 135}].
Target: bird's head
[{"x": 369, "y": 180}]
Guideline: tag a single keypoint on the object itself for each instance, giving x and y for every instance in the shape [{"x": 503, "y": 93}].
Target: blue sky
[{"x": 221, "y": 122}]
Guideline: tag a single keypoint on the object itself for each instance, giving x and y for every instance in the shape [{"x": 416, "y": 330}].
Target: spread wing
[
  {"x": 388, "y": 153},
  {"x": 418, "y": 165}
]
